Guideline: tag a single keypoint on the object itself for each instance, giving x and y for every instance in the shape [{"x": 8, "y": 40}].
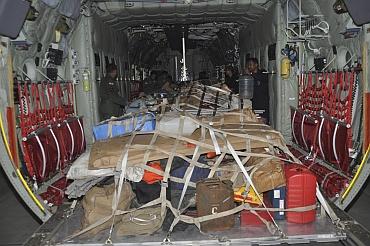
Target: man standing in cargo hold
[
  {"x": 260, "y": 101},
  {"x": 111, "y": 103},
  {"x": 231, "y": 79}
]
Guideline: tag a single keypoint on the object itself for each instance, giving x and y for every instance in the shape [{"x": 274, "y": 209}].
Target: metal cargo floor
[{"x": 322, "y": 230}]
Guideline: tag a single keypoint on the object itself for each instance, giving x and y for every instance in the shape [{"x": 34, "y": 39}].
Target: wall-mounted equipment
[
  {"x": 12, "y": 16},
  {"x": 55, "y": 56},
  {"x": 73, "y": 57},
  {"x": 291, "y": 53},
  {"x": 339, "y": 7},
  {"x": 301, "y": 27},
  {"x": 62, "y": 26},
  {"x": 32, "y": 14},
  {"x": 320, "y": 63},
  {"x": 86, "y": 80},
  {"x": 52, "y": 73},
  {"x": 285, "y": 67}
]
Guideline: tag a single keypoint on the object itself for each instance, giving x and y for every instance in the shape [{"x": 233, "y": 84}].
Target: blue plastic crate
[{"x": 124, "y": 125}]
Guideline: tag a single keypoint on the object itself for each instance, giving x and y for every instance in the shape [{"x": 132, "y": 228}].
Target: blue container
[
  {"x": 124, "y": 125},
  {"x": 277, "y": 197}
]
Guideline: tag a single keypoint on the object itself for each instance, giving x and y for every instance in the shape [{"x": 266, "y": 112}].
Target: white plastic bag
[
  {"x": 80, "y": 170},
  {"x": 170, "y": 123}
]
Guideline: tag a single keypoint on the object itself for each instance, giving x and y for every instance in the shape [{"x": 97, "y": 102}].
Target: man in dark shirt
[
  {"x": 261, "y": 97},
  {"x": 231, "y": 80},
  {"x": 111, "y": 103}
]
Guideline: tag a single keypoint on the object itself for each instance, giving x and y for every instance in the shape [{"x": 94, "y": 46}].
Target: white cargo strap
[
  {"x": 256, "y": 138},
  {"x": 334, "y": 142},
  {"x": 224, "y": 149},
  {"x": 143, "y": 222},
  {"x": 245, "y": 206},
  {"x": 188, "y": 174},
  {"x": 268, "y": 224},
  {"x": 148, "y": 150},
  {"x": 121, "y": 166},
  {"x": 127, "y": 123},
  {"x": 72, "y": 139},
  {"x": 227, "y": 148},
  {"x": 163, "y": 194},
  {"x": 302, "y": 131},
  {"x": 134, "y": 123},
  {"x": 187, "y": 178},
  {"x": 58, "y": 148},
  {"x": 214, "y": 141},
  {"x": 110, "y": 129},
  {"x": 130, "y": 124},
  {"x": 248, "y": 147},
  {"x": 117, "y": 192},
  {"x": 320, "y": 144},
  {"x": 255, "y": 168},
  {"x": 292, "y": 126},
  {"x": 326, "y": 177},
  {"x": 238, "y": 161},
  {"x": 105, "y": 219},
  {"x": 156, "y": 148},
  {"x": 43, "y": 155},
  {"x": 326, "y": 206},
  {"x": 139, "y": 123},
  {"x": 215, "y": 166},
  {"x": 82, "y": 134}
]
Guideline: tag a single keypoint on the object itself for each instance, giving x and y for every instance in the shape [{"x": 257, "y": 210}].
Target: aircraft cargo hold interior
[{"x": 184, "y": 122}]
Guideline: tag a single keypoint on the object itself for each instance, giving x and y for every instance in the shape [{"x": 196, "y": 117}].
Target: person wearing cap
[
  {"x": 111, "y": 103},
  {"x": 260, "y": 100}
]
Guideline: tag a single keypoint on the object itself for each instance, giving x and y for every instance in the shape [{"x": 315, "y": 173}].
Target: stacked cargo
[{"x": 229, "y": 172}]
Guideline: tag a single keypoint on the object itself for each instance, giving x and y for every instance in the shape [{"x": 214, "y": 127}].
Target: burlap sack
[
  {"x": 268, "y": 176},
  {"x": 143, "y": 221},
  {"x": 97, "y": 204},
  {"x": 254, "y": 160}
]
